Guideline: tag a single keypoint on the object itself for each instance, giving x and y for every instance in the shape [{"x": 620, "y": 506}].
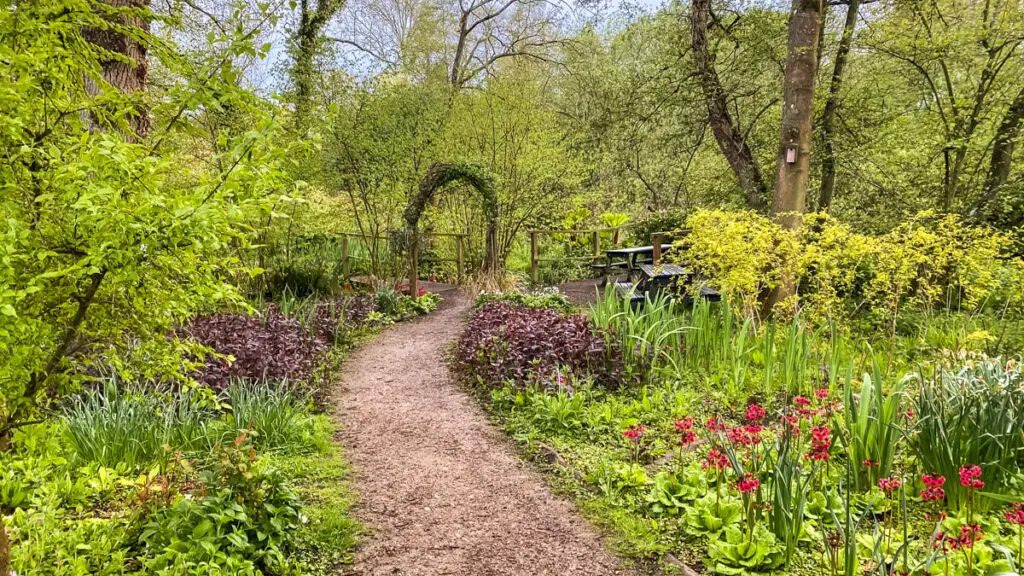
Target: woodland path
[{"x": 441, "y": 490}]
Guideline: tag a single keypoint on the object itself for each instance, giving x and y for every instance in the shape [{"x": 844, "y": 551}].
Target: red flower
[
  {"x": 802, "y": 401},
  {"x": 822, "y": 393},
  {"x": 794, "y": 424},
  {"x": 821, "y": 443},
  {"x": 635, "y": 432},
  {"x": 1015, "y": 515},
  {"x": 889, "y": 484},
  {"x": 716, "y": 460},
  {"x": 933, "y": 480},
  {"x": 748, "y": 484},
  {"x": 969, "y": 534},
  {"x": 970, "y": 477},
  {"x": 421, "y": 292},
  {"x": 869, "y": 463},
  {"x": 684, "y": 424},
  {"x": 689, "y": 437},
  {"x": 933, "y": 494},
  {"x": 714, "y": 424},
  {"x": 755, "y": 413},
  {"x": 744, "y": 435}
]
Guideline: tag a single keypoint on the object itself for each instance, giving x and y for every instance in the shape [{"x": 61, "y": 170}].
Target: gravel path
[{"x": 441, "y": 490}]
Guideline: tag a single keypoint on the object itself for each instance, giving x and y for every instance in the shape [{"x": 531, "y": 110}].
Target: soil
[{"x": 441, "y": 490}]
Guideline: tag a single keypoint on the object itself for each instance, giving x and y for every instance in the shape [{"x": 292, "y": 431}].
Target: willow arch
[{"x": 439, "y": 175}]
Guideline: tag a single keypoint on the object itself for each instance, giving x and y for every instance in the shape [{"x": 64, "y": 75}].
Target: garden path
[{"x": 441, "y": 489}]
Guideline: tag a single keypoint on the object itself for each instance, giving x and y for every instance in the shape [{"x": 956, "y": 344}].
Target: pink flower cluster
[
  {"x": 933, "y": 490},
  {"x": 1015, "y": 515},
  {"x": 969, "y": 534},
  {"x": 748, "y": 483},
  {"x": 635, "y": 432},
  {"x": 970, "y": 477},
  {"x": 821, "y": 443},
  {"x": 755, "y": 413},
  {"x": 889, "y": 484},
  {"x": 686, "y": 427},
  {"x": 716, "y": 460}
]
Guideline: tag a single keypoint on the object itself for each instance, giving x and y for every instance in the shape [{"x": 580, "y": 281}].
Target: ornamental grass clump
[{"x": 972, "y": 416}]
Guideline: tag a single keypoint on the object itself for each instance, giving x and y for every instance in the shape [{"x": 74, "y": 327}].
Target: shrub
[
  {"x": 546, "y": 298},
  {"x": 504, "y": 341},
  {"x": 926, "y": 262},
  {"x": 272, "y": 347},
  {"x": 241, "y": 524}
]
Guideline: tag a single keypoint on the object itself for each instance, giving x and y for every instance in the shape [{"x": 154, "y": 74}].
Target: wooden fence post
[
  {"x": 459, "y": 257},
  {"x": 656, "y": 244},
  {"x": 534, "y": 272},
  {"x": 414, "y": 265},
  {"x": 597, "y": 244},
  {"x": 617, "y": 237},
  {"x": 346, "y": 266}
]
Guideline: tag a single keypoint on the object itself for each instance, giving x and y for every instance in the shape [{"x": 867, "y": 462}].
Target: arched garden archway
[{"x": 438, "y": 176}]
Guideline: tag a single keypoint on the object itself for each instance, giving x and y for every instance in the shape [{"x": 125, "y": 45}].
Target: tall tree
[
  {"x": 828, "y": 117},
  {"x": 491, "y": 30},
  {"x": 1001, "y": 161},
  {"x": 308, "y": 41},
  {"x": 730, "y": 138},
  {"x": 793, "y": 159}
]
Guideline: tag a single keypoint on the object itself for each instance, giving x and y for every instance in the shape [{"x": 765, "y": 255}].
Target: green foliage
[
  {"x": 545, "y": 298},
  {"x": 925, "y": 263},
  {"x": 119, "y": 426},
  {"x": 973, "y": 416},
  {"x": 714, "y": 513},
  {"x": 736, "y": 552},
  {"x": 242, "y": 525},
  {"x": 672, "y": 493},
  {"x": 93, "y": 214},
  {"x": 874, "y": 417},
  {"x": 274, "y": 417}
]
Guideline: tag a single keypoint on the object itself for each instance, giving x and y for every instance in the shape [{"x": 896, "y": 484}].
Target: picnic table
[
  {"x": 653, "y": 278},
  {"x": 627, "y": 260}
]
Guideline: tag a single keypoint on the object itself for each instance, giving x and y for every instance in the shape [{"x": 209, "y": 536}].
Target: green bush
[
  {"x": 240, "y": 524},
  {"x": 545, "y": 298}
]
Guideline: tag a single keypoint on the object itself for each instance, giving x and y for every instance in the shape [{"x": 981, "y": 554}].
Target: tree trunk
[
  {"x": 5, "y": 548},
  {"x": 728, "y": 135},
  {"x": 828, "y": 118},
  {"x": 308, "y": 40},
  {"x": 1002, "y": 149},
  {"x": 126, "y": 77},
  {"x": 793, "y": 159}
]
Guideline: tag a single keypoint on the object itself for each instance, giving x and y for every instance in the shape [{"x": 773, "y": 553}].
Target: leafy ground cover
[
  {"x": 747, "y": 449},
  {"x": 237, "y": 475}
]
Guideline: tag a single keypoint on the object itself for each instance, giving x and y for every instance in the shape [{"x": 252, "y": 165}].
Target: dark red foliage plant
[
  {"x": 270, "y": 346},
  {"x": 506, "y": 342}
]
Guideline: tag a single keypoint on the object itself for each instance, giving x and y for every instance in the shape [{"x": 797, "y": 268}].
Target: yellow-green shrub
[{"x": 927, "y": 262}]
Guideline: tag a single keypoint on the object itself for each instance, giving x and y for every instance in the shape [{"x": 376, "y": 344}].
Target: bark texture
[
  {"x": 127, "y": 77},
  {"x": 794, "y": 154},
  {"x": 728, "y": 135},
  {"x": 828, "y": 118}
]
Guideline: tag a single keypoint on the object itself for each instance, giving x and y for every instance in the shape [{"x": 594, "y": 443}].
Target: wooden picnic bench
[{"x": 656, "y": 277}]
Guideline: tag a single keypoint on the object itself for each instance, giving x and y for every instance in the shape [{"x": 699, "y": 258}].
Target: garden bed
[
  {"x": 234, "y": 473},
  {"x": 743, "y": 450}
]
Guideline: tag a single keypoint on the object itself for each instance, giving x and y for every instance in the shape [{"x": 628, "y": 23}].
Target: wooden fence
[{"x": 657, "y": 239}]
